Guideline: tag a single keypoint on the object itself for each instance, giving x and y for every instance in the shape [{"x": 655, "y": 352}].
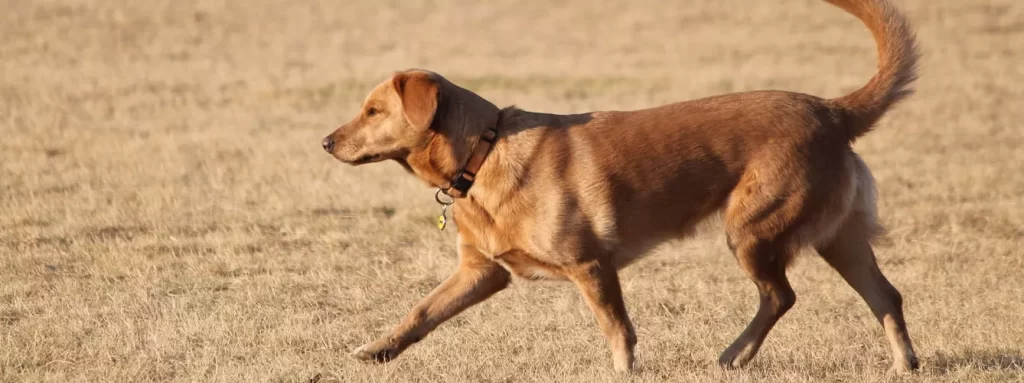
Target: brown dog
[{"x": 579, "y": 197}]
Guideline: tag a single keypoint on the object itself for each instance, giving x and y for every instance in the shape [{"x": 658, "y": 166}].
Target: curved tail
[{"x": 897, "y": 64}]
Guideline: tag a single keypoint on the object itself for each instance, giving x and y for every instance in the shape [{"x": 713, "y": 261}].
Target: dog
[{"x": 578, "y": 197}]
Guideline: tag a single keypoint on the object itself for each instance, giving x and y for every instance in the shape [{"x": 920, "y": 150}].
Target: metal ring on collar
[{"x": 437, "y": 197}]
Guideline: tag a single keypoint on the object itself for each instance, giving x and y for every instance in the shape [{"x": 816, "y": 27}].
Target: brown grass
[{"x": 166, "y": 213}]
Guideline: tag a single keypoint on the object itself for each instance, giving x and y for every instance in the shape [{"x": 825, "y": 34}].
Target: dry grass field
[{"x": 167, "y": 214}]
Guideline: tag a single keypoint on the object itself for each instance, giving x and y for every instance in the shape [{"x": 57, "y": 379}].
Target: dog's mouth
[{"x": 366, "y": 159}]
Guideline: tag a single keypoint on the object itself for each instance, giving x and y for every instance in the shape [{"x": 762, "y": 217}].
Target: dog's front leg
[
  {"x": 599, "y": 284},
  {"x": 476, "y": 279}
]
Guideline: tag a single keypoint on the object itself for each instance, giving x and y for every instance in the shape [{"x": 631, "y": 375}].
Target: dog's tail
[{"x": 897, "y": 64}]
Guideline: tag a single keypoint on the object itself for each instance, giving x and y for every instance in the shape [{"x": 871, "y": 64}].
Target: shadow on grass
[{"x": 986, "y": 360}]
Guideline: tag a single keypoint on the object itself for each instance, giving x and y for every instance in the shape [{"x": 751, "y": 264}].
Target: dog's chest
[
  {"x": 507, "y": 242},
  {"x": 511, "y": 256},
  {"x": 523, "y": 265},
  {"x": 478, "y": 228}
]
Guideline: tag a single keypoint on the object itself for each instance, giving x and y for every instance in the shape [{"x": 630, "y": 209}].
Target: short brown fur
[{"x": 577, "y": 197}]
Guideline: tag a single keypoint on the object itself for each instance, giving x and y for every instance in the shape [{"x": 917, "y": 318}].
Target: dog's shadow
[{"x": 986, "y": 360}]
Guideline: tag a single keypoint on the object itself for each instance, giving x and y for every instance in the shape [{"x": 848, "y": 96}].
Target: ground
[{"x": 167, "y": 214}]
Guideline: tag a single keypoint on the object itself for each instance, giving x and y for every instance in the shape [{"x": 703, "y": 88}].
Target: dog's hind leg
[
  {"x": 765, "y": 264},
  {"x": 759, "y": 222},
  {"x": 849, "y": 252},
  {"x": 851, "y": 255}
]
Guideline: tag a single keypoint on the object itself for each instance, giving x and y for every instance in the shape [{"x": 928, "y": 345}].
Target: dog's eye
[{"x": 370, "y": 112}]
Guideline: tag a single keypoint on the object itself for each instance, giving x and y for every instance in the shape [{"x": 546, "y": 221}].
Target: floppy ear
[{"x": 419, "y": 95}]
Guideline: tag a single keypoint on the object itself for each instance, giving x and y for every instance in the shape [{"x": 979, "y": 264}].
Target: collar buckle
[{"x": 462, "y": 182}]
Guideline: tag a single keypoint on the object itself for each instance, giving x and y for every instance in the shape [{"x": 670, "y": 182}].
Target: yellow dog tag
[{"x": 442, "y": 220}]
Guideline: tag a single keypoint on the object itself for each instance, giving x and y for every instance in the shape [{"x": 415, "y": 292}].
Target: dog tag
[{"x": 442, "y": 220}]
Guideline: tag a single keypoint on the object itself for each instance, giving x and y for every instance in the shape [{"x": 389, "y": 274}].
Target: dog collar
[{"x": 464, "y": 179}]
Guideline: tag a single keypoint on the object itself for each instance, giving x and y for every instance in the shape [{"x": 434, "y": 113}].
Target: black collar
[{"x": 464, "y": 179}]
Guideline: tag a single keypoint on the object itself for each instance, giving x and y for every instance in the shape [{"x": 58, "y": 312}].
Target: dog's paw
[
  {"x": 728, "y": 362},
  {"x": 737, "y": 355},
  {"x": 380, "y": 351},
  {"x": 904, "y": 368}
]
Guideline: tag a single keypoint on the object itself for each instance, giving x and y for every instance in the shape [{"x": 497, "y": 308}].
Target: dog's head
[
  {"x": 395, "y": 118},
  {"x": 414, "y": 113}
]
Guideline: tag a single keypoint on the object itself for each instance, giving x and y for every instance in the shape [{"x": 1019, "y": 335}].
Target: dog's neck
[
  {"x": 438, "y": 162},
  {"x": 461, "y": 119}
]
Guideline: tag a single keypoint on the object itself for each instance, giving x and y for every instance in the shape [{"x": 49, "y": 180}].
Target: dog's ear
[{"x": 419, "y": 93}]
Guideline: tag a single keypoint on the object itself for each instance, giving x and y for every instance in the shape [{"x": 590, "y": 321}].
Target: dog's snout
[{"x": 328, "y": 145}]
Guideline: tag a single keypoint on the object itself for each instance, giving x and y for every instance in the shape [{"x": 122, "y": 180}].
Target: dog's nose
[{"x": 328, "y": 144}]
